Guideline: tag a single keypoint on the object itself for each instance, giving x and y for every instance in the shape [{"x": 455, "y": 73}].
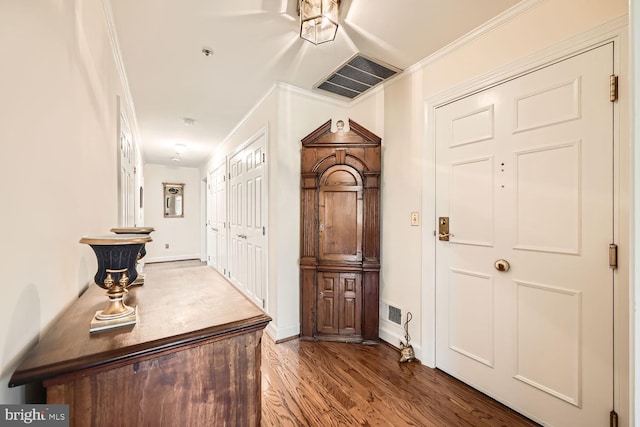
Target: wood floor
[{"x": 334, "y": 384}]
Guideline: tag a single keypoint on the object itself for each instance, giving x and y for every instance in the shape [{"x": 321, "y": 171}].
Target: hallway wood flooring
[{"x": 335, "y": 384}]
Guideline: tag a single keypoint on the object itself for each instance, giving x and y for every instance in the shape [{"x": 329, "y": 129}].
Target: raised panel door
[
  {"x": 525, "y": 174},
  {"x": 328, "y": 294},
  {"x": 247, "y": 219},
  {"x": 350, "y": 304},
  {"x": 340, "y": 215},
  {"x": 339, "y": 303}
]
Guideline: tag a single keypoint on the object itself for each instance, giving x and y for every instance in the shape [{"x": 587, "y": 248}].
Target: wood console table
[{"x": 192, "y": 359}]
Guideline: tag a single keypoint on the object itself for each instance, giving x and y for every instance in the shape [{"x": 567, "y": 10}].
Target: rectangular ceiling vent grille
[{"x": 356, "y": 76}]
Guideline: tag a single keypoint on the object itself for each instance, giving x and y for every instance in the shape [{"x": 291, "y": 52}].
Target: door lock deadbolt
[{"x": 443, "y": 229}]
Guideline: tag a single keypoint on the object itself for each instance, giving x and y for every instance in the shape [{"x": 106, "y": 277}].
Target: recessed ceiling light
[
  {"x": 188, "y": 121},
  {"x": 176, "y": 159},
  {"x": 207, "y": 51}
]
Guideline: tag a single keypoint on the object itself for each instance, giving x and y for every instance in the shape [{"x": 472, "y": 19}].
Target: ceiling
[{"x": 255, "y": 45}]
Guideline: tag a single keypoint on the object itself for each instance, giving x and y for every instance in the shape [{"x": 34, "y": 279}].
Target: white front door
[
  {"x": 246, "y": 219},
  {"x": 525, "y": 175}
]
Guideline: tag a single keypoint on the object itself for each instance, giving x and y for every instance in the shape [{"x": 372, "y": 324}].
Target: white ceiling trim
[
  {"x": 302, "y": 92},
  {"x": 124, "y": 82},
  {"x": 246, "y": 117},
  {"x": 587, "y": 40}
]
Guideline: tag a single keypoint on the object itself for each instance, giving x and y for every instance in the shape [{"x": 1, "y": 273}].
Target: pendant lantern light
[{"x": 318, "y": 20}]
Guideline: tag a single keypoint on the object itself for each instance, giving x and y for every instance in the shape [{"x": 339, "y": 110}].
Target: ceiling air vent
[{"x": 356, "y": 76}]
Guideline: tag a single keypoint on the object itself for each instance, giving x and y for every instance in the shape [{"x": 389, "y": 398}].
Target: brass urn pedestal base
[{"x": 117, "y": 313}]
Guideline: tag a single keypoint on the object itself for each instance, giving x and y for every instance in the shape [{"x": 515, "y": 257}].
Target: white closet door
[{"x": 247, "y": 220}]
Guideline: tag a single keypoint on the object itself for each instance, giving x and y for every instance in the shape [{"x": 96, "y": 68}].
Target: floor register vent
[
  {"x": 395, "y": 315},
  {"x": 356, "y": 76}
]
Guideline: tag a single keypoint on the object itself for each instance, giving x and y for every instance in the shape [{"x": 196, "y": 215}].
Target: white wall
[
  {"x": 58, "y": 134},
  {"x": 181, "y": 234},
  {"x": 402, "y": 169}
]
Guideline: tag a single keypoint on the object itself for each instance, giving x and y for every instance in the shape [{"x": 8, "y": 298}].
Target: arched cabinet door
[
  {"x": 340, "y": 211},
  {"x": 340, "y": 234}
]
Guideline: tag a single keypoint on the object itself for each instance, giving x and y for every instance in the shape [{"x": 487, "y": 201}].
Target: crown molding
[
  {"x": 495, "y": 22},
  {"x": 248, "y": 115},
  {"x": 117, "y": 57},
  {"x": 589, "y": 39}
]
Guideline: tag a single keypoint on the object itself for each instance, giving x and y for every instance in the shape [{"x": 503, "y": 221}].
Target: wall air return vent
[{"x": 356, "y": 76}]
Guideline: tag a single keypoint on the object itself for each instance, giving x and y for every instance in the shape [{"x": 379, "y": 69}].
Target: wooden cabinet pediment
[{"x": 340, "y": 234}]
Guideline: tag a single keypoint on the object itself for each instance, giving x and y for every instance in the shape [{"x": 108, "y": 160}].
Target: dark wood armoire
[{"x": 340, "y": 234}]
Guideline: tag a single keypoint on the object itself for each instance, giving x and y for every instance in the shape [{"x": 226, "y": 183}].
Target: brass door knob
[{"x": 502, "y": 265}]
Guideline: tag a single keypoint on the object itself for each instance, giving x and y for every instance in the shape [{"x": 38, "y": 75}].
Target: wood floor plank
[
  {"x": 314, "y": 405},
  {"x": 337, "y": 384}
]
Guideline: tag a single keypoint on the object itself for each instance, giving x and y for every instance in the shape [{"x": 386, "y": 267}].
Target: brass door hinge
[
  {"x": 613, "y": 88},
  {"x": 613, "y": 419},
  {"x": 613, "y": 256}
]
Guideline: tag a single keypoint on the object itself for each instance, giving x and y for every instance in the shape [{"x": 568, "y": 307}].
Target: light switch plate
[{"x": 415, "y": 218}]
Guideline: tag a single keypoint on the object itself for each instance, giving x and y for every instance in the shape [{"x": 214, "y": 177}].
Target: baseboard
[
  {"x": 292, "y": 332},
  {"x": 172, "y": 258},
  {"x": 282, "y": 334}
]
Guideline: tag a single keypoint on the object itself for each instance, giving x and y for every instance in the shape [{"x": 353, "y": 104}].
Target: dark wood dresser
[{"x": 192, "y": 358}]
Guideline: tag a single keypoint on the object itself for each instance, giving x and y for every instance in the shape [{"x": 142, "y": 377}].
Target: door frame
[{"x": 616, "y": 32}]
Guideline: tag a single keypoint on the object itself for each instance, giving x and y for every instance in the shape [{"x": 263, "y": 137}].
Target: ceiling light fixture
[
  {"x": 179, "y": 149},
  {"x": 318, "y": 20}
]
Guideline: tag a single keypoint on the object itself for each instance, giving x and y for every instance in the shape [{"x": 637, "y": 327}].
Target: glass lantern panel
[
  {"x": 326, "y": 31},
  {"x": 310, "y": 8},
  {"x": 330, "y": 10}
]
